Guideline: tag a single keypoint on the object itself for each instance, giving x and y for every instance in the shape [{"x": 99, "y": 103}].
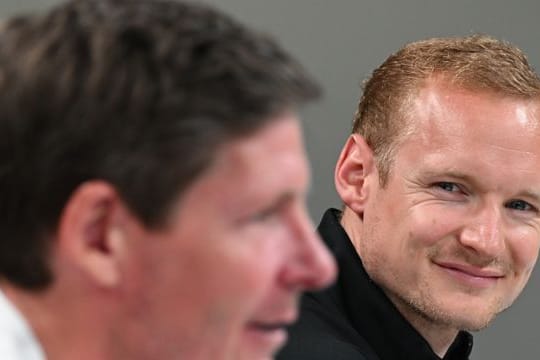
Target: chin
[
  {"x": 479, "y": 317},
  {"x": 470, "y": 318},
  {"x": 460, "y": 314},
  {"x": 475, "y": 323}
]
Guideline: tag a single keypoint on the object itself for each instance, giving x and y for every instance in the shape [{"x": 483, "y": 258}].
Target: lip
[
  {"x": 269, "y": 332},
  {"x": 472, "y": 270},
  {"x": 471, "y": 275},
  {"x": 267, "y": 336}
]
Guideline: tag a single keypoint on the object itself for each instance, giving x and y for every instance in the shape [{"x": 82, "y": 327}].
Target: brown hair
[
  {"x": 141, "y": 94},
  {"x": 476, "y": 62}
]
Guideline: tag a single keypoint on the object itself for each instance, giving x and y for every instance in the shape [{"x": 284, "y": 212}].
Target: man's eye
[
  {"x": 520, "y": 205},
  {"x": 448, "y": 186},
  {"x": 261, "y": 216},
  {"x": 265, "y": 215}
]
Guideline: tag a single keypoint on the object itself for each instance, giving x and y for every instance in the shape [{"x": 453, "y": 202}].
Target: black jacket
[{"x": 353, "y": 319}]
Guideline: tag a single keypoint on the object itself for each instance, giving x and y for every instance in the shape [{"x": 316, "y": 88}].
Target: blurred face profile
[
  {"x": 222, "y": 279},
  {"x": 459, "y": 219}
]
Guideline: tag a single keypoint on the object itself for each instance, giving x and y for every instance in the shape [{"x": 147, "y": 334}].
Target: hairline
[{"x": 404, "y": 113}]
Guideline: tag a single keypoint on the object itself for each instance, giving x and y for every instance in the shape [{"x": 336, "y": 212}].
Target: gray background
[{"x": 341, "y": 42}]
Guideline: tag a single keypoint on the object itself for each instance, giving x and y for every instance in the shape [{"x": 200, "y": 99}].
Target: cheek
[
  {"x": 250, "y": 270},
  {"x": 430, "y": 224},
  {"x": 228, "y": 296},
  {"x": 523, "y": 246},
  {"x": 254, "y": 278}
]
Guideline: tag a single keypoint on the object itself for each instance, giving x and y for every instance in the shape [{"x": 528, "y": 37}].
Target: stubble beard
[{"x": 424, "y": 305}]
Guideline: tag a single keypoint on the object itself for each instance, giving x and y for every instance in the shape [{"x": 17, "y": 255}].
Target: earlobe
[
  {"x": 88, "y": 235},
  {"x": 354, "y": 165}
]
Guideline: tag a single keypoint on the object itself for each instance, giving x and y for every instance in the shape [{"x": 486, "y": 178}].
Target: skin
[
  {"x": 227, "y": 273},
  {"x": 220, "y": 280},
  {"x": 453, "y": 236}
]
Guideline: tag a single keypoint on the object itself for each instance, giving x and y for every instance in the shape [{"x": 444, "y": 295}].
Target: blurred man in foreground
[
  {"x": 152, "y": 185},
  {"x": 441, "y": 225}
]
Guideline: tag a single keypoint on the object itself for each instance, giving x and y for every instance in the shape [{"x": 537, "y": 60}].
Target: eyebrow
[{"x": 453, "y": 174}]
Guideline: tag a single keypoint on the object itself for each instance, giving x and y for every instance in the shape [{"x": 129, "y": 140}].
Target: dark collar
[{"x": 370, "y": 312}]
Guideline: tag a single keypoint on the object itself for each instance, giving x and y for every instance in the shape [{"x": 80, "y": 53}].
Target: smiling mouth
[{"x": 470, "y": 275}]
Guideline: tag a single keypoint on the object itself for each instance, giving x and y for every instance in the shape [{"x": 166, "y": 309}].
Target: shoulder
[
  {"x": 16, "y": 338},
  {"x": 13, "y": 346},
  {"x": 321, "y": 349},
  {"x": 323, "y": 332}
]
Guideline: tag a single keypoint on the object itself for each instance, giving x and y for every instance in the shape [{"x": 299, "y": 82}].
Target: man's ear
[
  {"x": 91, "y": 235},
  {"x": 355, "y": 163}
]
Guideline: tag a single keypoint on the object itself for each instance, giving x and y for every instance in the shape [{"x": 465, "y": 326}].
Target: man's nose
[
  {"x": 484, "y": 232},
  {"x": 311, "y": 265}
]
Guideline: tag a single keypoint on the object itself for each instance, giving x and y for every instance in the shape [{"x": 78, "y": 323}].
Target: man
[
  {"x": 153, "y": 184},
  {"x": 441, "y": 224}
]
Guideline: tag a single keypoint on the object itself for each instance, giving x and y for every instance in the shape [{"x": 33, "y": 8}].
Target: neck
[
  {"x": 352, "y": 223},
  {"x": 439, "y": 336},
  {"x": 64, "y": 329}
]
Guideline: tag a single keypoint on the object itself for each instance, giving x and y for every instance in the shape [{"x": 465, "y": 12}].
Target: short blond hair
[{"x": 476, "y": 62}]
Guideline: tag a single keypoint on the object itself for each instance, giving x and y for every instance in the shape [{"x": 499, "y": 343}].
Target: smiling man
[
  {"x": 441, "y": 225},
  {"x": 152, "y": 186}
]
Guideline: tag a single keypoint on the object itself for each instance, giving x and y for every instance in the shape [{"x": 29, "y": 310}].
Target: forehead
[
  {"x": 253, "y": 171},
  {"x": 475, "y": 131},
  {"x": 442, "y": 111}
]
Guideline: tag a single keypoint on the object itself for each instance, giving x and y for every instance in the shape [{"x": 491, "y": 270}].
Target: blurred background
[{"x": 341, "y": 42}]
